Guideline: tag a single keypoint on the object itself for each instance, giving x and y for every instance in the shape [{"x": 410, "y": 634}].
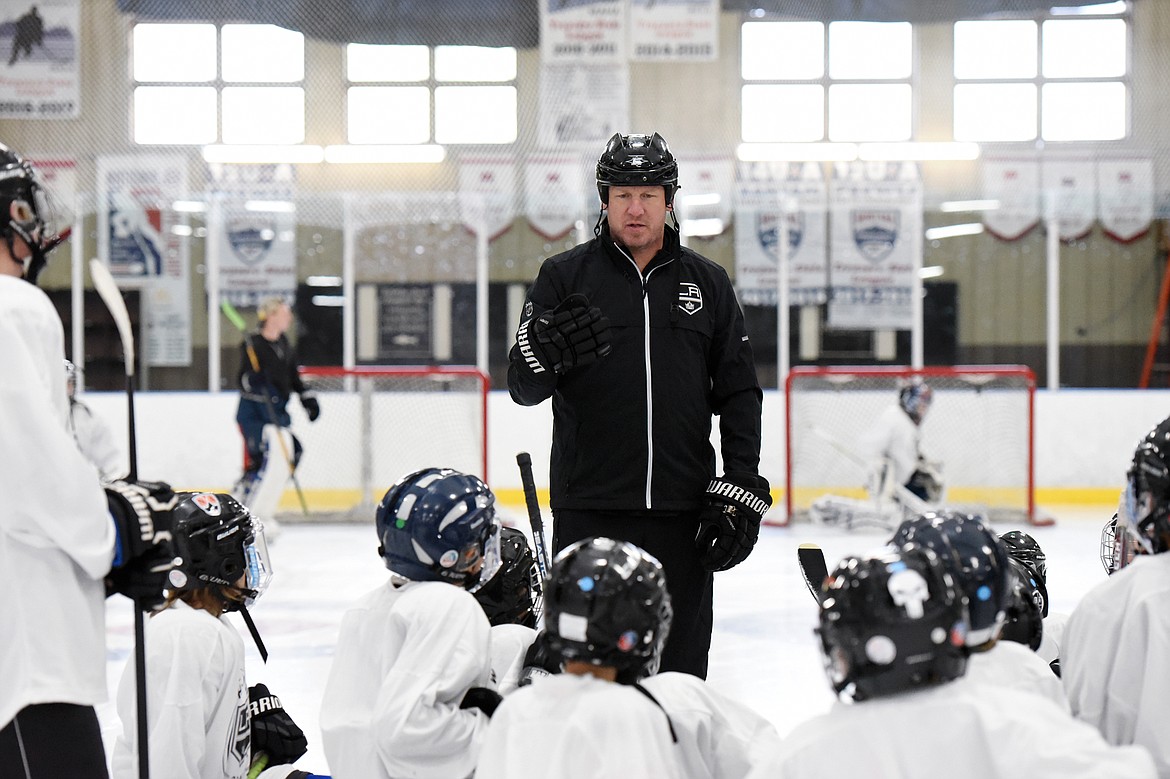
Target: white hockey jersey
[
  {"x": 1114, "y": 653},
  {"x": 893, "y": 437},
  {"x": 720, "y": 738},
  {"x": 574, "y": 727},
  {"x": 1054, "y": 624},
  {"x": 197, "y": 700},
  {"x": 405, "y": 657},
  {"x": 96, "y": 441},
  {"x": 958, "y": 730},
  {"x": 509, "y": 644},
  {"x": 56, "y": 535},
  {"x": 1017, "y": 667}
]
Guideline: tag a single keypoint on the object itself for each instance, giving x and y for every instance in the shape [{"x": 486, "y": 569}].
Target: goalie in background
[{"x": 902, "y": 481}]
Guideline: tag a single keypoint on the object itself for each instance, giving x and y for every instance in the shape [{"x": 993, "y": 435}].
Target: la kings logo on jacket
[{"x": 690, "y": 297}]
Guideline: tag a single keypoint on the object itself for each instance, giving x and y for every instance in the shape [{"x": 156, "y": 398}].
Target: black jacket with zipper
[{"x": 632, "y": 430}]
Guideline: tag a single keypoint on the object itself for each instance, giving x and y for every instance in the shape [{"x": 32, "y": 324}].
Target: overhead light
[
  {"x": 954, "y": 231},
  {"x": 189, "y": 206},
  {"x": 930, "y": 272},
  {"x": 323, "y": 281},
  {"x": 362, "y": 153},
  {"x": 330, "y": 301},
  {"x": 705, "y": 199},
  {"x": 952, "y": 206},
  {"x": 796, "y": 152},
  {"x": 245, "y": 154},
  {"x": 919, "y": 150},
  {"x": 700, "y": 227},
  {"x": 271, "y": 206}
]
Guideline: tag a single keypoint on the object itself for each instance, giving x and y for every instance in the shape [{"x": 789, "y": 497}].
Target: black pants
[
  {"x": 52, "y": 741},
  {"x": 671, "y": 539}
]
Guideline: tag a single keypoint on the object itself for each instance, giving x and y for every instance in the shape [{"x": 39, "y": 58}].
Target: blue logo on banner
[
  {"x": 250, "y": 238},
  {"x": 768, "y": 232},
  {"x": 875, "y": 231}
]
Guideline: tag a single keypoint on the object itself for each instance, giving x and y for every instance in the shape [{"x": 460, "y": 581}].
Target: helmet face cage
[
  {"x": 977, "y": 560},
  {"x": 218, "y": 543},
  {"x": 27, "y": 212},
  {"x": 607, "y": 605},
  {"x": 1143, "y": 513},
  {"x": 509, "y": 597},
  {"x": 637, "y": 161},
  {"x": 1026, "y": 608},
  {"x": 892, "y": 622},
  {"x": 438, "y": 524}
]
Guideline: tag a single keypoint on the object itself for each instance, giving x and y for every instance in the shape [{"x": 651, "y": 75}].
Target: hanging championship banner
[
  {"x": 1014, "y": 182},
  {"x": 41, "y": 41},
  {"x": 487, "y": 194},
  {"x": 583, "y": 105},
  {"x": 554, "y": 190},
  {"x": 1126, "y": 191},
  {"x": 582, "y": 31},
  {"x": 875, "y": 254},
  {"x": 143, "y": 242},
  {"x": 1072, "y": 182},
  {"x": 257, "y": 245},
  {"x": 706, "y": 186},
  {"x": 674, "y": 30},
  {"x": 769, "y": 193}
]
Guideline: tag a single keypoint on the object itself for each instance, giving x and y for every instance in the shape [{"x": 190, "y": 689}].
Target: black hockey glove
[
  {"x": 482, "y": 698},
  {"x": 571, "y": 335},
  {"x": 310, "y": 404},
  {"x": 539, "y": 661},
  {"x": 273, "y": 732},
  {"x": 730, "y": 522},
  {"x": 144, "y": 553}
]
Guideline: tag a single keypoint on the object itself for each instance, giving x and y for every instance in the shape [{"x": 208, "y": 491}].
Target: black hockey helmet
[
  {"x": 26, "y": 212},
  {"x": 218, "y": 542},
  {"x": 892, "y": 622},
  {"x": 1021, "y": 546},
  {"x": 976, "y": 559},
  {"x": 1143, "y": 515},
  {"x": 915, "y": 398},
  {"x": 607, "y": 605},
  {"x": 1026, "y": 607},
  {"x": 509, "y": 597},
  {"x": 438, "y": 524},
  {"x": 637, "y": 161}
]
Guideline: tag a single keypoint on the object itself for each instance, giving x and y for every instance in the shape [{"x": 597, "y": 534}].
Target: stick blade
[
  {"x": 813, "y": 568},
  {"x": 108, "y": 290}
]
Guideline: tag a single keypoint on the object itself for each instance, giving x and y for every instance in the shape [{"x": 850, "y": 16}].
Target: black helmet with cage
[
  {"x": 607, "y": 605},
  {"x": 26, "y": 213},
  {"x": 891, "y": 622},
  {"x": 217, "y": 543},
  {"x": 1143, "y": 515},
  {"x": 637, "y": 161},
  {"x": 511, "y": 596}
]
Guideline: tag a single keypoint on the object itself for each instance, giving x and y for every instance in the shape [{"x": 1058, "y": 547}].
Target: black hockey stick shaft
[
  {"x": 813, "y": 568},
  {"x": 108, "y": 290},
  {"x": 524, "y": 460}
]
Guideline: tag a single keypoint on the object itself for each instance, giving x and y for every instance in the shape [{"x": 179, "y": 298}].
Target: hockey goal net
[
  {"x": 380, "y": 423},
  {"x": 979, "y": 428}
]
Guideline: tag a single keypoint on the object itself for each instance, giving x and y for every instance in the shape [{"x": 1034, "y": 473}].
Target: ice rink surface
[{"x": 763, "y": 650}]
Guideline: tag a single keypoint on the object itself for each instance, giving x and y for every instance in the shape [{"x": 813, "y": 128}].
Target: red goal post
[
  {"x": 980, "y": 427},
  {"x": 379, "y": 423}
]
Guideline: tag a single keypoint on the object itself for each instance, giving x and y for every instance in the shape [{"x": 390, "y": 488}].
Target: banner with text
[
  {"x": 42, "y": 42},
  {"x": 674, "y": 30},
  {"x": 1014, "y": 184},
  {"x": 554, "y": 195},
  {"x": 1125, "y": 188},
  {"x": 875, "y": 246},
  {"x": 1072, "y": 182},
  {"x": 487, "y": 194},
  {"x": 582, "y": 31},
  {"x": 583, "y": 105}
]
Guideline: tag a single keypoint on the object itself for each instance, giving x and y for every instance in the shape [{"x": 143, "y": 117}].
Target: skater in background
[
  {"x": 94, "y": 437},
  {"x": 410, "y": 689},
  {"x": 639, "y": 341},
  {"x": 65, "y": 542},
  {"x": 267, "y": 377},
  {"x": 204, "y": 720},
  {"x": 891, "y": 628},
  {"x": 1119, "y": 634}
]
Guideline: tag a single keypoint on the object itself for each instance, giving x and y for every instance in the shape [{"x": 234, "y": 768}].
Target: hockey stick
[
  {"x": 905, "y": 496},
  {"x": 524, "y": 460},
  {"x": 108, "y": 290},
  {"x": 813, "y": 568},
  {"x": 234, "y": 317}
]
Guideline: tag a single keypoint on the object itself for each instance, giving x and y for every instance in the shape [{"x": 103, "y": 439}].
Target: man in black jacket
[{"x": 639, "y": 341}]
